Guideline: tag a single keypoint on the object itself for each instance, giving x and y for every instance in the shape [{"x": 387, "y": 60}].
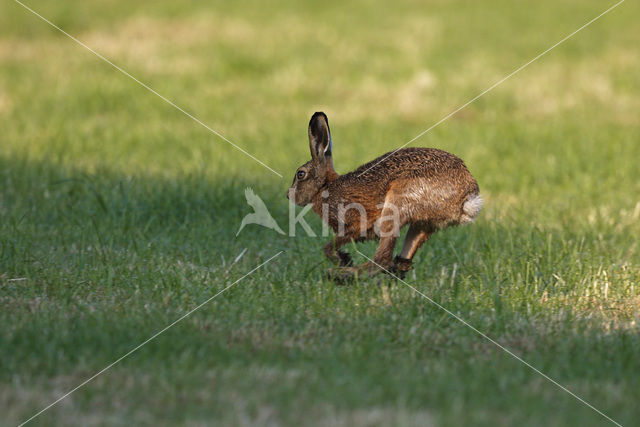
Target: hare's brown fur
[{"x": 427, "y": 188}]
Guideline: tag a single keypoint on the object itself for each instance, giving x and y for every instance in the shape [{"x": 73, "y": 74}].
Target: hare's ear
[{"x": 319, "y": 136}]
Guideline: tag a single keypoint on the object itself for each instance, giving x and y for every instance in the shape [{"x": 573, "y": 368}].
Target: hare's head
[{"x": 312, "y": 176}]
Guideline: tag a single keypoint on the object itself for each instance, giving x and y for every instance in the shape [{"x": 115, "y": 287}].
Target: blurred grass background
[{"x": 118, "y": 213}]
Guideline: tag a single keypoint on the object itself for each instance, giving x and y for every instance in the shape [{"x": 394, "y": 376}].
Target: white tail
[{"x": 471, "y": 208}]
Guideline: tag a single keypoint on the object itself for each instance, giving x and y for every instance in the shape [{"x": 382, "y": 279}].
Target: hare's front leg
[
  {"x": 388, "y": 227},
  {"x": 331, "y": 250},
  {"x": 382, "y": 261}
]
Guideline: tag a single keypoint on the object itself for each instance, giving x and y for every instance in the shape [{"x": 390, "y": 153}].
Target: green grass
[{"x": 118, "y": 214}]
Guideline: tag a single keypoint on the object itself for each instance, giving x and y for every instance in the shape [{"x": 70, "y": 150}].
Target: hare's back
[
  {"x": 414, "y": 162},
  {"x": 426, "y": 184}
]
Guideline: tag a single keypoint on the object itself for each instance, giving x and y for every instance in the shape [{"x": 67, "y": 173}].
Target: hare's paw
[
  {"x": 400, "y": 267},
  {"x": 345, "y": 259}
]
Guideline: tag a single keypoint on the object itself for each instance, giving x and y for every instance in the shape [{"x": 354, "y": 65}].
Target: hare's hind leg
[{"x": 416, "y": 236}]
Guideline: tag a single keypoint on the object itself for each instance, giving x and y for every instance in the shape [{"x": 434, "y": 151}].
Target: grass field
[{"x": 118, "y": 214}]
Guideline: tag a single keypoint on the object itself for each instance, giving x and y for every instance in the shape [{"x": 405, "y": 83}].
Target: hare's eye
[{"x": 301, "y": 174}]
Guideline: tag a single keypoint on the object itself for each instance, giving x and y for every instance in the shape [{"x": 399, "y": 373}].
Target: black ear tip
[{"x": 319, "y": 114}]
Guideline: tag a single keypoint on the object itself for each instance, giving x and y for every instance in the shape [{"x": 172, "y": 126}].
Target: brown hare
[{"x": 427, "y": 188}]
